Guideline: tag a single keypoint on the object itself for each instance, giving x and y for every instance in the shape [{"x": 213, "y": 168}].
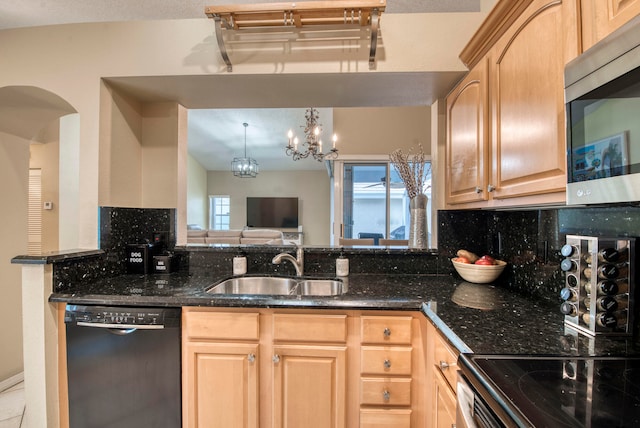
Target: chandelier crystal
[
  {"x": 312, "y": 145},
  {"x": 245, "y": 167}
]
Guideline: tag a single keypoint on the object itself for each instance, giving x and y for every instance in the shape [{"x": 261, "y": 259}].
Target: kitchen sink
[
  {"x": 321, "y": 287},
  {"x": 256, "y": 285},
  {"x": 279, "y": 286}
]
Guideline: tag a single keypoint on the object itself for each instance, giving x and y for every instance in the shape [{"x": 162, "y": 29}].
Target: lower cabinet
[
  {"x": 309, "y": 386},
  {"x": 220, "y": 354},
  {"x": 274, "y": 368},
  {"x": 444, "y": 411},
  {"x": 442, "y": 372},
  {"x": 224, "y": 378}
]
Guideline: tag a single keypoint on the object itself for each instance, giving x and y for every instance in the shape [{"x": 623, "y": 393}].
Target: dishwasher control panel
[{"x": 121, "y": 315}]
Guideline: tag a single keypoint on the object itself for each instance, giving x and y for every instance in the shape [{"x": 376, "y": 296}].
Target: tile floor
[{"x": 12, "y": 405}]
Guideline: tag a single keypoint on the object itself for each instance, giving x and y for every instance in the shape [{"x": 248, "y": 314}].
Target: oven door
[{"x": 472, "y": 411}]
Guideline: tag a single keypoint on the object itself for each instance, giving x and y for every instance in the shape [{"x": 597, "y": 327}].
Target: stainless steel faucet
[{"x": 297, "y": 261}]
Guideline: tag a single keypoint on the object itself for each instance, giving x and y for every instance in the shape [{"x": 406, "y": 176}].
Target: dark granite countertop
[{"x": 475, "y": 318}]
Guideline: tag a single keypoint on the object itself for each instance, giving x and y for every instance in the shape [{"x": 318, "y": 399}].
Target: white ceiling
[{"x": 215, "y": 130}]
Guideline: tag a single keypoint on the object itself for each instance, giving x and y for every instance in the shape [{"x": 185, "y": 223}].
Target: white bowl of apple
[{"x": 479, "y": 270}]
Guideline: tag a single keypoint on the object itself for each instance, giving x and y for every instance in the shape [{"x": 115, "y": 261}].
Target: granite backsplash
[
  {"x": 118, "y": 227},
  {"x": 530, "y": 240}
]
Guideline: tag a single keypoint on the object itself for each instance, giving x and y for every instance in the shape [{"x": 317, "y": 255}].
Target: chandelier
[
  {"x": 244, "y": 167},
  {"x": 312, "y": 145}
]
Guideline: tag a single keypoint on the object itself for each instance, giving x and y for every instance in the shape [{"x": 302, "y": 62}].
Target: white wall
[
  {"x": 75, "y": 58},
  {"x": 44, "y": 156},
  {"x": 311, "y": 187},
  {"x": 69, "y": 180},
  {"x": 381, "y": 130},
  {"x": 197, "y": 196},
  {"x": 14, "y": 173}
]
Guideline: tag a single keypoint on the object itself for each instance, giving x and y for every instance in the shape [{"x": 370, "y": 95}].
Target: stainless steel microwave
[{"x": 602, "y": 93}]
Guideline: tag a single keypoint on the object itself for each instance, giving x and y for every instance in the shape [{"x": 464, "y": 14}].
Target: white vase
[{"x": 418, "y": 231}]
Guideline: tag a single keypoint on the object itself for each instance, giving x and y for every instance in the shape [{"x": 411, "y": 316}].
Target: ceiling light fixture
[
  {"x": 244, "y": 167},
  {"x": 312, "y": 131}
]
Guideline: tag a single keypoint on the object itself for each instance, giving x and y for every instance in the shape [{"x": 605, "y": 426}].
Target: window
[
  {"x": 219, "y": 212},
  {"x": 375, "y": 203}
]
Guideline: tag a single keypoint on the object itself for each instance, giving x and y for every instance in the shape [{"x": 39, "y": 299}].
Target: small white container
[
  {"x": 239, "y": 265},
  {"x": 342, "y": 266}
]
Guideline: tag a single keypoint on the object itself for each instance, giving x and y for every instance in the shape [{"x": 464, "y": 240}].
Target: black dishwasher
[{"x": 123, "y": 366}]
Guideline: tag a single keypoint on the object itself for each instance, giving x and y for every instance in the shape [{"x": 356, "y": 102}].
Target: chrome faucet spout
[{"x": 297, "y": 261}]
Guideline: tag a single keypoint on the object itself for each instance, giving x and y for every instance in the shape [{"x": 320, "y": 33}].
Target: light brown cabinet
[
  {"x": 505, "y": 127},
  {"x": 220, "y": 369},
  {"x": 309, "y": 370},
  {"x": 600, "y": 18},
  {"x": 285, "y": 368},
  {"x": 442, "y": 375},
  {"x": 467, "y": 152},
  {"x": 386, "y": 369}
]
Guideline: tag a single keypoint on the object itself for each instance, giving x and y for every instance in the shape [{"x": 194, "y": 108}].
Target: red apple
[
  {"x": 462, "y": 260},
  {"x": 486, "y": 260}
]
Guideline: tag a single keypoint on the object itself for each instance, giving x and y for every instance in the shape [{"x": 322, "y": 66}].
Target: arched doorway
[{"x": 28, "y": 115}]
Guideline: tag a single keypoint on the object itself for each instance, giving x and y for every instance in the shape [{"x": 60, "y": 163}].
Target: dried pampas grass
[{"x": 412, "y": 169}]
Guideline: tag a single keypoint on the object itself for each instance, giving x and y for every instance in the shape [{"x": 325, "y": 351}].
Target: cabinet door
[
  {"x": 385, "y": 418},
  {"x": 527, "y": 101},
  {"x": 309, "y": 386},
  {"x": 467, "y": 150},
  {"x": 220, "y": 387},
  {"x": 600, "y": 18},
  {"x": 445, "y": 404}
]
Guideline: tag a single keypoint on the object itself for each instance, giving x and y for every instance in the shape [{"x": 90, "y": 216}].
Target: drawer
[
  {"x": 446, "y": 361},
  {"x": 386, "y": 360},
  {"x": 385, "y": 418},
  {"x": 200, "y": 325},
  {"x": 309, "y": 328},
  {"x": 385, "y": 391},
  {"x": 386, "y": 330}
]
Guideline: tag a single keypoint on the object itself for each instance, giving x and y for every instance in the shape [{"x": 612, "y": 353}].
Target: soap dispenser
[
  {"x": 239, "y": 265},
  {"x": 342, "y": 265}
]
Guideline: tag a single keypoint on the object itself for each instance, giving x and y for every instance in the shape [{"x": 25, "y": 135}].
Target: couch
[{"x": 235, "y": 237}]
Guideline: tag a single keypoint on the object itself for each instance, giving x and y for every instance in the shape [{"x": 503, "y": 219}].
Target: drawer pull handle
[
  {"x": 387, "y": 364},
  {"x": 276, "y": 358},
  {"x": 386, "y": 395},
  {"x": 444, "y": 365},
  {"x": 478, "y": 189},
  {"x": 386, "y": 332},
  {"x": 251, "y": 357}
]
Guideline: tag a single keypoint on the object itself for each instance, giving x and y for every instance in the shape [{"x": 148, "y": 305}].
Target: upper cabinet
[
  {"x": 506, "y": 125},
  {"x": 467, "y": 153},
  {"x": 600, "y": 18}
]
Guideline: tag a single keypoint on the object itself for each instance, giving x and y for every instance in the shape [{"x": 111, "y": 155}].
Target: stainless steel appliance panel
[{"x": 123, "y": 367}]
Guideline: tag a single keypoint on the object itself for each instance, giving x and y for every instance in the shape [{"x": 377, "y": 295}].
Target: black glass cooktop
[{"x": 562, "y": 391}]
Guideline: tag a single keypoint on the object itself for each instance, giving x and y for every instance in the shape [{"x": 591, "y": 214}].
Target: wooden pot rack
[{"x": 297, "y": 15}]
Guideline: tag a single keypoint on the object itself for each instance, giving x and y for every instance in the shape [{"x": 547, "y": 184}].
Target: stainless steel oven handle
[{"x": 464, "y": 408}]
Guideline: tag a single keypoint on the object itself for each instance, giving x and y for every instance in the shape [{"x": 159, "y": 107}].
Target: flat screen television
[{"x": 272, "y": 212}]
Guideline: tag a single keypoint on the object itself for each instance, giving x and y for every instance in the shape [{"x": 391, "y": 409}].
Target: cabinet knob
[
  {"x": 276, "y": 358},
  {"x": 386, "y": 395},
  {"x": 387, "y": 364},
  {"x": 386, "y": 332},
  {"x": 478, "y": 189},
  {"x": 491, "y": 188},
  {"x": 444, "y": 365},
  {"x": 251, "y": 357}
]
